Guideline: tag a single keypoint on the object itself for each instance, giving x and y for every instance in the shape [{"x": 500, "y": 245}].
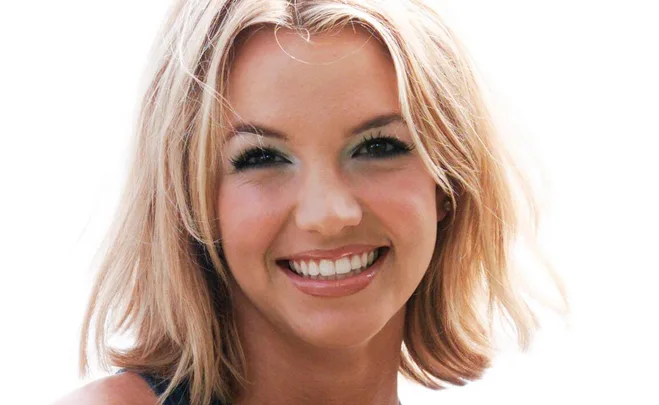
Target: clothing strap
[{"x": 179, "y": 395}]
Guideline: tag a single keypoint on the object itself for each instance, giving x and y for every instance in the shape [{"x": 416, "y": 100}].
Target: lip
[
  {"x": 336, "y": 288},
  {"x": 332, "y": 254}
]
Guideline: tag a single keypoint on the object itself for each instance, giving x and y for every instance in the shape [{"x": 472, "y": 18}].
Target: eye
[
  {"x": 257, "y": 158},
  {"x": 381, "y": 146}
]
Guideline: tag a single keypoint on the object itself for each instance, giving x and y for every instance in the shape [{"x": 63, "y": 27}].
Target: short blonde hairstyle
[{"x": 164, "y": 280}]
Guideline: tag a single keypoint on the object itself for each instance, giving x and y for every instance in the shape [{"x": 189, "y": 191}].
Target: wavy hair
[{"x": 163, "y": 278}]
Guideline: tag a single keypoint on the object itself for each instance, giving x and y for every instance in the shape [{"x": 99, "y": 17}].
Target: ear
[{"x": 440, "y": 199}]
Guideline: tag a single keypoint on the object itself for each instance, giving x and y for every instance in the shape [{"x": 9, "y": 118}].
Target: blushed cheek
[
  {"x": 404, "y": 205},
  {"x": 405, "y": 200},
  {"x": 249, "y": 217}
]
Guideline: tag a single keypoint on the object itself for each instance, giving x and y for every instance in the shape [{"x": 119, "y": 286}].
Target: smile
[
  {"x": 339, "y": 278},
  {"x": 345, "y": 267}
]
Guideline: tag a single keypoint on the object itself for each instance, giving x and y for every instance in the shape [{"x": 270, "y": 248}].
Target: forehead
[{"x": 296, "y": 83}]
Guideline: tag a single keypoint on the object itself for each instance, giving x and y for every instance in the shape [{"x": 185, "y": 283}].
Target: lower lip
[{"x": 336, "y": 288}]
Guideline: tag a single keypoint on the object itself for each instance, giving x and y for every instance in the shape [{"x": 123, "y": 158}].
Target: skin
[
  {"x": 318, "y": 194},
  {"x": 120, "y": 389},
  {"x": 301, "y": 349}
]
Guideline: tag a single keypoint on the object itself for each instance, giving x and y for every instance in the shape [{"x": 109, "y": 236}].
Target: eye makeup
[
  {"x": 374, "y": 145},
  {"x": 259, "y": 156},
  {"x": 381, "y": 146}
]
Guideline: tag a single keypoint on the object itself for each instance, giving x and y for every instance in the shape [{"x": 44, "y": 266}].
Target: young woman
[{"x": 318, "y": 201}]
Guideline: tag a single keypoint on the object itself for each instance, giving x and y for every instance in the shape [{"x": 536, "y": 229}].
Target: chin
[{"x": 349, "y": 333}]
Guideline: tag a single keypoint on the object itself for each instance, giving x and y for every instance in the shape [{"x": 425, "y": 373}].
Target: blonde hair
[{"x": 162, "y": 278}]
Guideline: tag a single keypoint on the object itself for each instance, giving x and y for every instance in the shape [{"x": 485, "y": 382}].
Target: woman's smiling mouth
[{"x": 328, "y": 277}]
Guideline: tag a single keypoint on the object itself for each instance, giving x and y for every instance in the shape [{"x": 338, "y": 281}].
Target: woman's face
[{"x": 320, "y": 173}]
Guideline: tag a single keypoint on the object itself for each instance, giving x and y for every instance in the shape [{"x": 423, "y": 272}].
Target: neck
[{"x": 284, "y": 370}]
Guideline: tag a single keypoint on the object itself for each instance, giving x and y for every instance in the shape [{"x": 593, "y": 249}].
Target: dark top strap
[{"x": 179, "y": 396}]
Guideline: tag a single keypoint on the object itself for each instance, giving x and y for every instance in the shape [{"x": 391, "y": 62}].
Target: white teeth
[
  {"x": 313, "y": 269},
  {"x": 355, "y": 262},
  {"x": 343, "y": 266},
  {"x": 339, "y": 269},
  {"x": 327, "y": 268}
]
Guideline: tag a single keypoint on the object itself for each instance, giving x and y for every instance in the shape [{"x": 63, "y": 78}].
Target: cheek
[
  {"x": 404, "y": 201},
  {"x": 249, "y": 218}
]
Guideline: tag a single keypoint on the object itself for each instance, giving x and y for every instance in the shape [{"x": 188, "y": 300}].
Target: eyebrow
[{"x": 262, "y": 130}]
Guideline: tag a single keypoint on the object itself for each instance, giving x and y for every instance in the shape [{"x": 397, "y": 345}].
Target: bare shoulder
[{"x": 121, "y": 389}]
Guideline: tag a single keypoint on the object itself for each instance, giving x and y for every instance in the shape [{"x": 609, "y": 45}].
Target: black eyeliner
[
  {"x": 240, "y": 162},
  {"x": 401, "y": 146},
  {"x": 273, "y": 157}
]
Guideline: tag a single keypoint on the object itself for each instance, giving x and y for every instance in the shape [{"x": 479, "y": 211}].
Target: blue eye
[
  {"x": 381, "y": 146},
  {"x": 257, "y": 158}
]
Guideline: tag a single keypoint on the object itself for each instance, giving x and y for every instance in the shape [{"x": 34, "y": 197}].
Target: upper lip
[{"x": 332, "y": 254}]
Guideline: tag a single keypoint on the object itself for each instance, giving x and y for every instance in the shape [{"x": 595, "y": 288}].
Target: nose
[{"x": 326, "y": 204}]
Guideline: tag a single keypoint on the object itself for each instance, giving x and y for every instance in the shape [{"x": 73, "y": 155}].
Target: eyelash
[{"x": 242, "y": 161}]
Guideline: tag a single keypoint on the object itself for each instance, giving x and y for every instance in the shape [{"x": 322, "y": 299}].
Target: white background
[{"x": 578, "y": 80}]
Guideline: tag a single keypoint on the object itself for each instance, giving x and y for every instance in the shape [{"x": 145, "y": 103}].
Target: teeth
[
  {"x": 343, "y": 266},
  {"x": 313, "y": 269},
  {"x": 355, "y": 262},
  {"x": 333, "y": 270},
  {"x": 327, "y": 268}
]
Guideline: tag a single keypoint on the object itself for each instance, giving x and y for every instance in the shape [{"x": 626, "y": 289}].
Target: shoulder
[{"x": 126, "y": 388}]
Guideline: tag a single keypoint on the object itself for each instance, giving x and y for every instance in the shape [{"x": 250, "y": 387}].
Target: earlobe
[{"x": 444, "y": 205}]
